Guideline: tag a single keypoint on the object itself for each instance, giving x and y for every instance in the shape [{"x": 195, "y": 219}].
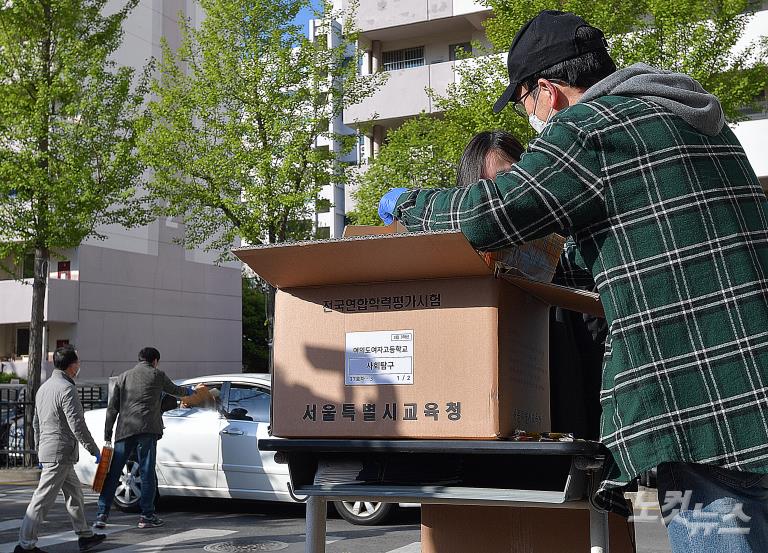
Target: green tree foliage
[
  {"x": 67, "y": 140},
  {"x": 695, "y": 37},
  {"x": 255, "y": 329},
  {"x": 692, "y": 36},
  {"x": 239, "y": 106},
  {"x": 424, "y": 151}
]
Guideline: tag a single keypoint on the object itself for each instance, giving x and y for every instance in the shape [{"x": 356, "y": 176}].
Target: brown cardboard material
[
  {"x": 465, "y": 529},
  {"x": 471, "y": 350},
  {"x": 475, "y": 363},
  {"x": 373, "y": 230}
]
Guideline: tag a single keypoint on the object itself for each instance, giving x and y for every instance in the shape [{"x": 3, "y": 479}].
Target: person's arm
[
  {"x": 178, "y": 391},
  {"x": 73, "y": 411},
  {"x": 572, "y": 269},
  {"x": 555, "y": 187},
  {"x": 36, "y": 430},
  {"x": 112, "y": 411}
]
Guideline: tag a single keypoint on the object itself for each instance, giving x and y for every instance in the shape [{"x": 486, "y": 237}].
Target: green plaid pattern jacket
[{"x": 673, "y": 226}]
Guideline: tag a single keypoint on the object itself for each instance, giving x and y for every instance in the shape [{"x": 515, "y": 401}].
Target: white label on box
[{"x": 380, "y": 357}]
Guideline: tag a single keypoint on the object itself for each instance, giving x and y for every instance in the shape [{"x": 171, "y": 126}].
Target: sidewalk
[{"x": 19, "y": 476}]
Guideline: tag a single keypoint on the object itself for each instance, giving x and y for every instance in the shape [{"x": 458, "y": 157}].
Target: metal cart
[{"x": 466, "y": 472}]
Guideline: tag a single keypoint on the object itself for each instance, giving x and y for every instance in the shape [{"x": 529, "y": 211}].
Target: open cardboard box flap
[{"x": 392, "y": 257}]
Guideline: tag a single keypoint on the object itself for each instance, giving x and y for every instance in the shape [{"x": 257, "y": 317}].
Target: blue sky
[{"x": 305, "y": 15}]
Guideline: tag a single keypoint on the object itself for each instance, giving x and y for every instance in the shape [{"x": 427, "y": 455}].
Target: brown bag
[
  {"x": 202, "y": 396},
  {"x": 103, "y": 469}
]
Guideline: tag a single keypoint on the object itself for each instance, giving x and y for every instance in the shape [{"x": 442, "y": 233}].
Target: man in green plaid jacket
[{"x": 668, "y": 217}]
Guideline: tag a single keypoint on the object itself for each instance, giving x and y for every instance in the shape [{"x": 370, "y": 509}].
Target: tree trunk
[{"x": 36, "y": 345}]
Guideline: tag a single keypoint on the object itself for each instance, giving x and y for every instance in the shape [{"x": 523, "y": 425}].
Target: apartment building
[
  {"x": 415, "y": 41},
  {"x": 138, "y": 287}
]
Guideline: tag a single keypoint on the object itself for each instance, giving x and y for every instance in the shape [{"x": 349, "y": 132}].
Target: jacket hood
[{"x": 678, "y": 93}]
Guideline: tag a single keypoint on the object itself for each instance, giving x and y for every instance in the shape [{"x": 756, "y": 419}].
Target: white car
[{"x": 213, "y": 451}]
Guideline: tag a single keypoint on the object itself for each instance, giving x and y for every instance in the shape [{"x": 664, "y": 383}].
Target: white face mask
[{"x": 537, "y": 124}]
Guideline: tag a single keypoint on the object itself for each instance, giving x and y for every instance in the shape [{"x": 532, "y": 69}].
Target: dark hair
[
  {"x": 64, "y": 356},
  {"x": 150, "y": 355},
  {"x": 579, "y": 72},
  {"x": 472, "y": 160}
]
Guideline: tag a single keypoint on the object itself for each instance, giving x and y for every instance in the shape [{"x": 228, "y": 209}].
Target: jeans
[
  {"x": 145, "y": 446},
  {"x": 709, "y": 509}
]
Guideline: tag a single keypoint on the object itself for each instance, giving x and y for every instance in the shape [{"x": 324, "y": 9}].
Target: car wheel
[
  {"x": 128, "y": 492},
  {"x": 365, "y": 513}
]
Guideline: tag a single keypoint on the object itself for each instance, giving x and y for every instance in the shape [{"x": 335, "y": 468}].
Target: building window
[
  {"x": 63, "y": 270},
  {"x": 299, "y": 230},
  {"x": 403, "y": 59},
  {"x": 323, "y": 233},
  {"x": 28, "y": 266},
  {"x": 453, "y": 50},
  {"x": 323, "y": 205},
  {"x": 22, "y": 342}
]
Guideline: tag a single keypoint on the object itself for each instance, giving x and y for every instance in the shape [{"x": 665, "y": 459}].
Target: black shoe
[
  {"x": 90, "y": 542},
  {"x": 150, "y": 522},
  {"x": 101, "y": 522},
  {"x": 20, "y": 549}
]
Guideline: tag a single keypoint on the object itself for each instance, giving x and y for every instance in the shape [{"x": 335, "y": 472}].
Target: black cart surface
[{"x": 466, "y": 472}]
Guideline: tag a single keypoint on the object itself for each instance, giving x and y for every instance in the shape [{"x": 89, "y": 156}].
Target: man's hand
[
  {"x": 387, "y": 204},
  {"x": 98, "y": 458}
]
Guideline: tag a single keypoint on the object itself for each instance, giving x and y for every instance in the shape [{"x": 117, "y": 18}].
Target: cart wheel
[{"x": 364, "y": 513}]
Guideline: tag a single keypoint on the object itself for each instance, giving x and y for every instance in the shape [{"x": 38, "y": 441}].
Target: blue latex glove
[
  {"x": 387, "y": 204},
  {"x": 40, "y": 466},
  {"x": 98, "y": 458}
]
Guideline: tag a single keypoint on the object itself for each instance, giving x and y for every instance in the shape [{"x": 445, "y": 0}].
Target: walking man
[
  {"x": 59, "y": 425},
  {"x": 136, "y": 404},
  {"x": 668, "y": 217}
]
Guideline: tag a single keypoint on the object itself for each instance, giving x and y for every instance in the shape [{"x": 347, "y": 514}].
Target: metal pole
[
  {"x": 598, "y": 531},
  {"x": 316, "y": 516}
]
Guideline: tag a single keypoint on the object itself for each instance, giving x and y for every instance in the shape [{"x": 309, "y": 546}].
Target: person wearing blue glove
[
  {"x": 59, "y": 424},
  {"x": 98, "y": 458},
  {"x": 136, "y": 405},
  {"x": 387, "y": 204}
]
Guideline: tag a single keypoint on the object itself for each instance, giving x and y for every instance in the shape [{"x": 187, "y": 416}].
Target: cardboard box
[
  {"x": 464, "y": 529},
  {"x": 373, "y": 230},
  {"x": 536, "y": 260},
  {"x": 406, "y": 335}
]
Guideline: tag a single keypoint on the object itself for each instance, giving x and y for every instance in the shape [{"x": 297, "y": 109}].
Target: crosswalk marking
[
  {"x": 10, "y": 524},
  {"x": 153, "y": 546},
  {"x": 62, "y": 537},
  {"x": 414, "y": 547}
]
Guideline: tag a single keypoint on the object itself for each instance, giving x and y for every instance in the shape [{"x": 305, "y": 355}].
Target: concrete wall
[
  {"x": 16, "y": 301},
  {"x": 381, "y": 14},
  {"x": 404, "y": 95},
  {"x": 190, "y": 311}
]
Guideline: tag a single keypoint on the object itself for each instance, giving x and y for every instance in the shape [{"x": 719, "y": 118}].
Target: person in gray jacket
[
  {"x": 136, "y": 399},
  {"x": 59, "y": 424}
]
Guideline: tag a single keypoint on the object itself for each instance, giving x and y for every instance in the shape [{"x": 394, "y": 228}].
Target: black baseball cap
[{"x": 544, "y": 41}]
